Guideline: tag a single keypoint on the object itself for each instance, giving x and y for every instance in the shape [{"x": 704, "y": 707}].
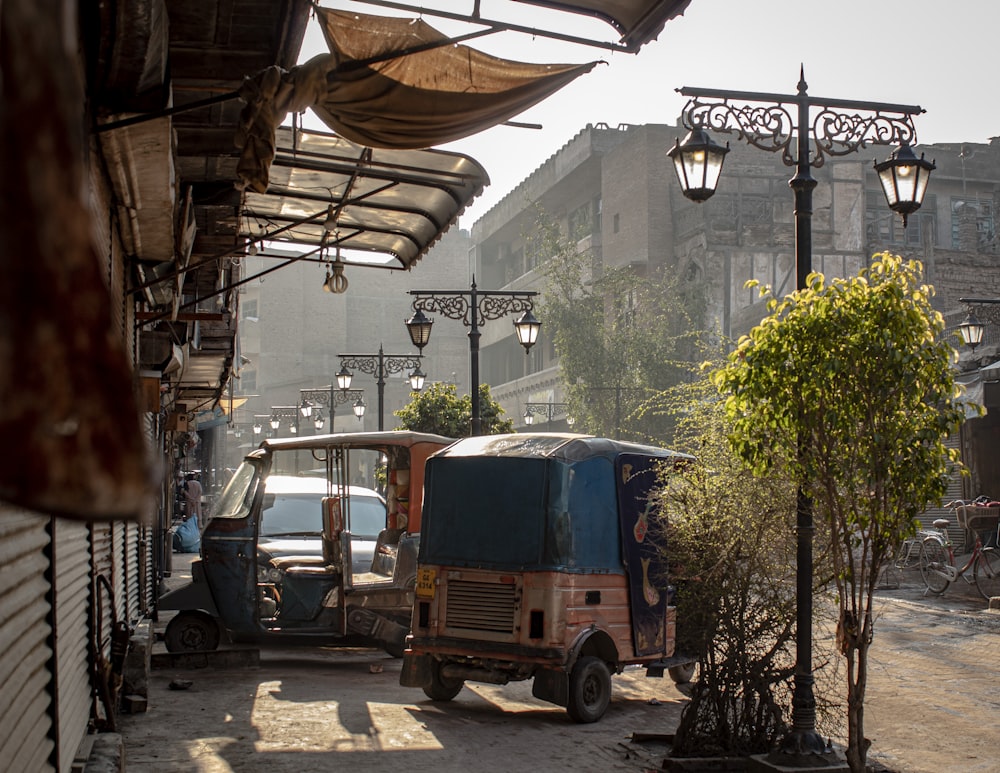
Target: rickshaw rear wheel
[
  {"x": 192, "y": 631},
  {"x": 441, "y": 688},
  {"x": 589, "y": 689}
]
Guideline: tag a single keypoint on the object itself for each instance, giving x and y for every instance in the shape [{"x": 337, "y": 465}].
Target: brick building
[{"x": 614, "y": 190}]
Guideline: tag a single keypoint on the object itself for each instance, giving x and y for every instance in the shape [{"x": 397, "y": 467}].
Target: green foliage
[
  {"x": 848, "y": 386},
  {"x": 730, "y": 547},
  {"x": 438, "y": 409},
  {"x": 622, "y": 337}
]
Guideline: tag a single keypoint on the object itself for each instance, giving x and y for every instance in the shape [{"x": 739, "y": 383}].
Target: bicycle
[
  {"x": 937, "y": 557},
  {"x": 907, "y": 557}
]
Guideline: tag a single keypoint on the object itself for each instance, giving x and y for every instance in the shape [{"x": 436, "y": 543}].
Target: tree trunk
[{"x": 857, "y": 682}]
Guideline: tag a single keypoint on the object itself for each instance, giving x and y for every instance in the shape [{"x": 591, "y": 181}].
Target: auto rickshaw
[
  {"x": 277, "y": 562},
  {"x": 540, "y": 560}
]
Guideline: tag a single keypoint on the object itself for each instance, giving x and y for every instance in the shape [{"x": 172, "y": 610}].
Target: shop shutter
[
  {"x": 25, "y": 668},
  {"x": 72, "y": 594},
  {"x": 128, "y": 546},
  {"x": 119, "y": 578},
  {"x": 956, "y": 490}
]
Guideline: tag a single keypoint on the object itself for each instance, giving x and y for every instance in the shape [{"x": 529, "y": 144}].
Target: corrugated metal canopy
[
  {"x": 390, "y": 206},
  {"x": 636, "y": 22}
]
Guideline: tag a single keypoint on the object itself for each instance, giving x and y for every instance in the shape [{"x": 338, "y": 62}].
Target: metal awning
[
  {"x": 389, "y": 206},
  {"x": 636, "y": 22}
]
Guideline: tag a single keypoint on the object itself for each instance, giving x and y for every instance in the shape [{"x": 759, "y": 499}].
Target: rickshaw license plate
[{"x": 425, "y": 582}]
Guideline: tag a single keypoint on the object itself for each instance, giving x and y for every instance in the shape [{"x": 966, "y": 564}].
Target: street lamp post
[
  {"x": 786, "y": 124},
  {"x": 973, "y": 328},
  {"x": 328, "y": 397},
  {"x": 473, "y": 306},
  {"x": 544, "y": 409},
  {"x": 281, "y": 412},
  {"x": 381, "y": 365}
]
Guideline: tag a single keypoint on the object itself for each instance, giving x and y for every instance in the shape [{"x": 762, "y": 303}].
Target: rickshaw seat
[
  {"x": 304, "y": 565},
  {"x": 386, "y": 547}
]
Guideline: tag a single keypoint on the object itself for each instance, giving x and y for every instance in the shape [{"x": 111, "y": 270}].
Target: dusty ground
[
  {"x": 931, "y": 707},
  {"x": 306, "y": 711}
]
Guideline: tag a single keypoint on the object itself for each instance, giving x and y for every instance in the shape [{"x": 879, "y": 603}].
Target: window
[
  {"x": 248, "y": 380},
  {"x": 580, "y": 223},
  {"x": 517, "y": 261},
  {"x": 732, "y": 212},
  {"x": 883, "y": 226},
  {"x": 979, "y": 209}
]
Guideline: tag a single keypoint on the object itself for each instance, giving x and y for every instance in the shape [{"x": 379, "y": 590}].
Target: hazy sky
[{"x": 941, "y": 56}]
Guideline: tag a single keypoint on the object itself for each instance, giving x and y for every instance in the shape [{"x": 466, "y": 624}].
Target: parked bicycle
[
  {"x": 907, "y": 557},
  {"x": 937, "y": 554}
]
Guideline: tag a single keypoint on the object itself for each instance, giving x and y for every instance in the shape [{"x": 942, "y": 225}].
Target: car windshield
[
  {"x": 367, "y": 514},
  {"x": 286, "y": 514},
  {"x": 301, "y": 513}
]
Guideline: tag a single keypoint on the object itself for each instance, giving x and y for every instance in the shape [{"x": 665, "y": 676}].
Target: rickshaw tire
[
  {"x": 192, "y": 631},
  {"x": 589, "y": 689},
  {"x": 442, "y": 688}
]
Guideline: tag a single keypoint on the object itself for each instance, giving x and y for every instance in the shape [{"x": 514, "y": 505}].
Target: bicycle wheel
[
  {"x": 908, "y": 555},
  {"x": 988, "y": 573},
  {"x": 934, "y": 565}
]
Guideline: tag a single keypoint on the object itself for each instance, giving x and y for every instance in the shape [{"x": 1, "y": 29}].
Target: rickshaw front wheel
[{"x": 192, "y": 631}]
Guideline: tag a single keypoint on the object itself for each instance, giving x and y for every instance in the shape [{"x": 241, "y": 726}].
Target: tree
[
  {"x": 730, "y": 549},
  {"x": 622, "y": 336},
  {"x": 438, "y": 409},
  {"x": 848, "y": 386}
]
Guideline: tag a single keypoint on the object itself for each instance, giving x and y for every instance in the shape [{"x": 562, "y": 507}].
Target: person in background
[{"x": 192, "y": 494}]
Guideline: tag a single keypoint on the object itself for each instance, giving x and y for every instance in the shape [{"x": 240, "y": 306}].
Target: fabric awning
[
  {"x": 636, "y": 22},
  {"x": 389, "y": 205},
  {"x": 390, "y": 83}
]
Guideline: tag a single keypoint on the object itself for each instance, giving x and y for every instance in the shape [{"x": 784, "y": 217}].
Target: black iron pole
[
  {"x": 803, "y": 737},
  {"x": 618, "y": 411},
  {"x": 837, "y": 135},
  {"x": 464, "y": 305},
  {"x": 474, "y": 335},
  {"x": 380, "y": 383}
]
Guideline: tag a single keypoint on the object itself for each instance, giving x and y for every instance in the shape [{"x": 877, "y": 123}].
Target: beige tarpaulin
[{"x": 406, "y": 99}]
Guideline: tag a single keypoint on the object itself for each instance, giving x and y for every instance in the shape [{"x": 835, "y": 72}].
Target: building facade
[
  {"x": 614, "y": 192},
  {"x": 292, "y": 333}
]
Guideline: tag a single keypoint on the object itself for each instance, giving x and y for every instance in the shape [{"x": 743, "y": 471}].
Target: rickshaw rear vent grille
[{"x": 481, "y": 606}]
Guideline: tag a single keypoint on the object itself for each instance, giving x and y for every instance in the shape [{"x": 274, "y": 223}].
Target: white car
[{"x": 291, "y": 520}]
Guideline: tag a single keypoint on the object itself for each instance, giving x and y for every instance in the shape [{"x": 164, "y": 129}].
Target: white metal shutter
[
  {"x": 25, "y": 678},
  {"x": 103, "y": 588},
  {"x": 956, "y": 490},
  {"x": 133, "y": 574},
  {"x": 119, "y": 575},
  {"x": 71, "y": 571}
]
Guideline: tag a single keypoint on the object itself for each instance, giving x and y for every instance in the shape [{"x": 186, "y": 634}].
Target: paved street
[{"x": 931, "y": 707}]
